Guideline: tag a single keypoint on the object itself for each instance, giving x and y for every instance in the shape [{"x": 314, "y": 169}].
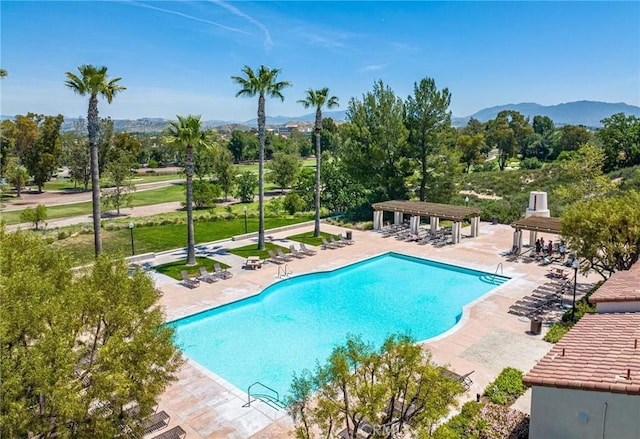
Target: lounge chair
[
  {"x": 464, "y": 379},
  {"x": 221, "y": 273},
  {"x": 175, "y": 433},
  {"x": 335, "y": 242},
  {"x": 155, "y": 422},
  {"x": 206, "y": 276},
  {"x": 284, "y": 256},
  {"x": 296, "y": 253},
  {"x": 306, "y": 251},
  {"x": 557, "y": 272},
  {"x": 274, "y": 257},
  {"x": 189, "y": 282},
  {"x": 327, "y": 245}
]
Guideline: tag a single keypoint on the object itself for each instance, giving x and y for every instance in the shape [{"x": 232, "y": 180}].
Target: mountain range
[{"x": 587, "y": 113}]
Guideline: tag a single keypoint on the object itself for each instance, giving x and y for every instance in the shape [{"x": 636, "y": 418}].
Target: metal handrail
[{"x": 258, "y": 383}]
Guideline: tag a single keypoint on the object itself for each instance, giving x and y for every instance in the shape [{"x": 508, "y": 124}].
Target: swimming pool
[{"x": 297, "y": 321}]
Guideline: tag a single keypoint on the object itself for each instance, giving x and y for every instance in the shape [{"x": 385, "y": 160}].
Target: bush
[
  {"x": 557, "y": 331},
  {"x": 152, "y": 164},
  {"x": 506, "y": 387},
  {"x": 487, "y": 166},
  {"x": 274, "y": 206},
  {"x": 463, "y": 425},
  {"x": 531, "y": 163},
  {"x": 204, "y": 193},
  {"x": 34, "y": 215},
  {"x": 293, "y": 203}
]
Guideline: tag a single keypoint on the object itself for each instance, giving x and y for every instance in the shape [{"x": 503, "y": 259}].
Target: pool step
[
  {"x": 493, "y": 279},
  {"x": 272, "y": 399}
]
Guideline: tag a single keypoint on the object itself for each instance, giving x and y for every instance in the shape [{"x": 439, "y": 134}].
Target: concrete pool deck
[{"x": 486, "y": 340}]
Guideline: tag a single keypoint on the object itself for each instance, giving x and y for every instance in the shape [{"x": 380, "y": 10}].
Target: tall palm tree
[
  {"x": 261, "y": 84},
  {"x": 3, "y": 73},
  {"x": 318, "y": 98},
  {"x": 93, "y": 81},
  {"x": 186, "y": 133}
]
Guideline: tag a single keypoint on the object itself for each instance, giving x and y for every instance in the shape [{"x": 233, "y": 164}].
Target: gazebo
[
  {"x": 434, "y": 211},
  {"x": 534, "y": 224}
]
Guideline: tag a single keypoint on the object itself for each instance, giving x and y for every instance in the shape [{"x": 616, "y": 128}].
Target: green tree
[
  {"x": 246, "y": 187},
  {"x": 473, "y": 127},
  {"x": 305, "y": 186},
  {"x": 572, "y": 137},
  {"x": 205, "y": 193},
  {"x": 203, "y": 161},
  {"x": 543, "y": 125},
  {"x": 340, "y": 191},
  {"x": 620, "y": 138},
  {"x": 318, "y": 99},
  {"x": 470, "y": 147},
  {"x": 93, "y": 81},
  {"x": 243, "y": 146},
  {"x": 385, "y": 388},
  {"x": 26, "y": 134},
  {"x": 284, "y": 169},
  {"x": 224, "y": 171},
  {"x": 427, "y": 117},
  {"x": 3, "y": 73},
  {"x": 302, "y": 143},
  {"x": 124, "y": 143},
  {"x": 17, "y": 174},
  {"x": 34, "y": 215},
  {"x": 604, "y": 232},
  {"x": 263, "y": 83},
  {"x": 374, "y": 150},
  {"x": 7, "y": 144},
  {"x": 42, "y": 156},
  {"x": 186, "y": 134},
  {"x": 118, "y": 173},
  {"x": 583, "y": 173},
  {"x": 78, "y": 348}
]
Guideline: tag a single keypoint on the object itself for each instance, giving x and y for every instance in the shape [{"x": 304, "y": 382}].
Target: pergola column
[
  {"x": 475, "y": 226},
  {"x": 415, "y": 224},
  {"x": 517, "y": 241},
  {"x": 455, "y": 232},
  {"x": 377, "y": 219},
  {"x": 434, "y": 221},
  {"x": 533, "y": 236},
  {"x": 397, "y": 218}
]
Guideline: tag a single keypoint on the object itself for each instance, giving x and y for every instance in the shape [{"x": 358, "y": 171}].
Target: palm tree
[
  {"x": 318, "y": 98},
  {"x": 264, "y": 83},
  {"x": 93, "y": 81},
  {"x": 3, "y": 73},
  {"x": 187, "y": 133}
]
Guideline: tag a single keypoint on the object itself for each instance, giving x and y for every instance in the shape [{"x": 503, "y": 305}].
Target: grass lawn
[
  {"x": 66, "y": 184},
  {"x": 173, "y": 269},
  {"x": 252, "y": 250},
  {"x": 142, "y": 198},
  {"x": 308, "y": 238},
  {"x": 167, "y": 237}
]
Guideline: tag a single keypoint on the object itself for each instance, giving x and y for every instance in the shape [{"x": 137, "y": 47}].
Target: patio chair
[
  {"x": 283, "y": 256},
  {"x": 175, "y": 433},
  {"x": 189, "y": 282},
  {"x": 464, "y": 379},
  {"x": 221, "y": 273},
  {"x": 206, "y": 276},
  {"x": 335, "y": 242},
  {"x": 296, "y": 253},
  {"x": 307, "y": 251},
  {"x": 327, "y": 245},
  {"x": 345, "y": 240},
  {"x": 274, "y": 257},
  {"x": 155, "y": 422}
]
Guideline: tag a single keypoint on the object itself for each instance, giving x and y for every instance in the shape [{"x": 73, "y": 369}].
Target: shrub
[
  {"x": 152, "y": 164},
  {"x": 557, "y": 331},
  {"x": 62, "y": 235},
  {"x": 463, "y": 425},
  {"x": 275, "y": 206},
  {"x": 293, "y": 203},
  {"x": 506, "y": 387},
  {"x": 531, "y": 163},
  {"x": 34, "y": 215}
]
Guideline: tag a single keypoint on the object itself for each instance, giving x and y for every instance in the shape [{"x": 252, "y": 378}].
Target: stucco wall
[
  {"x": 578, "y": 414},
  {"x": 629, "y": 306}
]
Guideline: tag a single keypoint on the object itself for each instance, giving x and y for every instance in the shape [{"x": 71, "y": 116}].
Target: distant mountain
[
  {"x": 587, "y": 113},
  {"x": 311, "y": 117}
]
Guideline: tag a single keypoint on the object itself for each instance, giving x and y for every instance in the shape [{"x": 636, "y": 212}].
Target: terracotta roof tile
[
  {"x": 601, "y": 352},
  {"x": 622, "y": 286}
]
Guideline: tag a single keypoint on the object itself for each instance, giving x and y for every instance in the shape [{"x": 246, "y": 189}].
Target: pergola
[
  {"x": 434, "y": 211},
  {"x": 534, "y": 224}
]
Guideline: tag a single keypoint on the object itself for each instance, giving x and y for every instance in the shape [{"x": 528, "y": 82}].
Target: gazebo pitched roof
[
  {"x": 420, "y": 208},
  {"x": 538, "y": 224}
]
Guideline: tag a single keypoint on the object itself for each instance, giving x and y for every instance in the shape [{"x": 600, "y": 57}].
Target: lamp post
[
  {"x": 466, "y": 201},
  {"x": 575, "y": 265},
  {"x": 133, "y": 250},
  {"x": 245, "y": 220}
]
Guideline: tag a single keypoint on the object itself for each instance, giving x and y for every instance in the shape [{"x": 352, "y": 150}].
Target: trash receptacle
[
  {"x": 536, "y": 326},
  {"x": 495, "y": 220},
  {"x": 349, "y": 235}
]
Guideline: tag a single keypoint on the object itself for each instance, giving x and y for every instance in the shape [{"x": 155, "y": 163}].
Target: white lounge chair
[
  {"x": 307, "y": 251},
  {"x": 189, "y": 282},
  {"x": 345, "y": 240},
  {"x": 327, "y": 245},
  {"x": 274, "y": 257},
  {"x": 206, "y": 276},
  {"x": 284, "y": 256},
  {"x": 221, "y": 273},
  {"x": 335, "y": 242},
  {"x": 296, "y": 253}
]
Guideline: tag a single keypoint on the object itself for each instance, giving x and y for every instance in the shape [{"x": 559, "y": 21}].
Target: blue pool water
[{"x": 300, "y": 320}]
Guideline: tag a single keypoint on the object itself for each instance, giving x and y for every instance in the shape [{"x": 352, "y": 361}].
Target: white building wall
[
  {"x": 630, "y": 306},
  {"x": 580, "y": 414}
]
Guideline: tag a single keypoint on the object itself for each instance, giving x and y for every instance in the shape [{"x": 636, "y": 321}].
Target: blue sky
[{"x": 178, "y": 57}]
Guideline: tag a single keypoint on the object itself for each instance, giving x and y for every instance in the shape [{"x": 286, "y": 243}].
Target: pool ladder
[
  {"x": 501, "y": 267},
  {"x": 284, "y": 271},
  {"x": 272, "y": 398}
]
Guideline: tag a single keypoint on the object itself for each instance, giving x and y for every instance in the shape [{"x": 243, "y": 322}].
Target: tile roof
[
  {"x": 600, "y": 353},
  {"x": 622, "y": 286}
]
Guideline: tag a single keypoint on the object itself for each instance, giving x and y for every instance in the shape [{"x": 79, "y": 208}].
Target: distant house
[
  {"x": 620, "y": 293},
  {"x": 588, "y": 385}
]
